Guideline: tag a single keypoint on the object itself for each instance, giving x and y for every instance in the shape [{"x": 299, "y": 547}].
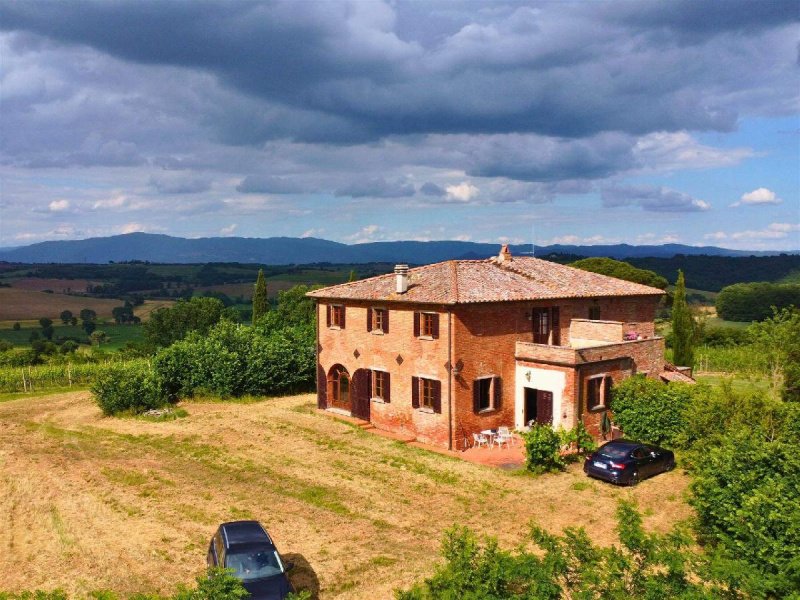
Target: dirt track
[{"x": 91, "y": 503}]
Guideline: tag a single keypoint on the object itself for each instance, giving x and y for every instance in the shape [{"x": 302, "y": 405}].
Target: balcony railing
[{"x": 569, "y": 356}]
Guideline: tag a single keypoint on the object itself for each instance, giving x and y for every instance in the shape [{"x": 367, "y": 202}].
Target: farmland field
[
  {"x": 88, "y": 502},
  {"x": 20, "y": 304}
]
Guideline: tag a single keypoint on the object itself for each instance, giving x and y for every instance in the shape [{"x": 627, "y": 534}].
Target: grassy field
[
  {"x": 118, "y": 335},
  {"x": 88, "y": 502}
]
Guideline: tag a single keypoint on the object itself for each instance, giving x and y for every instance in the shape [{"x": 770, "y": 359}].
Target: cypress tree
[
  {"x": 260, "y": 302},
  {"x": 682, "y": 326}
]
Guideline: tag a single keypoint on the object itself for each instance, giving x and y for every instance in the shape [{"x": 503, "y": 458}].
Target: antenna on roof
[{"x": 533, "y": 237}]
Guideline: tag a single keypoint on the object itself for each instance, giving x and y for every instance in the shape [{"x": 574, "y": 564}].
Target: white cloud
[
  {"x": 652, "y": 199},
  {"x": 58, "y": 205},
  {"x": 574, "y": 240},
  {"x": 229, "y": 229},
  {"x": 312, "y": 233},
  {"x": 773, "y": 231},
  {"x": 757, "y": 197},
  {"x": 654, "y": 238},
  {"x": 369, "y": 233},
  {"x": 663, "y": 151},
  {"x": 462, "y": 192},
  {"x": 113, "y": 202}
]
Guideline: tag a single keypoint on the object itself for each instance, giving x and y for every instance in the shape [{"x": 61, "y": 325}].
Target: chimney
[
  {"x": 401, "y": 273},
  {"x": 505, "y": 254}
]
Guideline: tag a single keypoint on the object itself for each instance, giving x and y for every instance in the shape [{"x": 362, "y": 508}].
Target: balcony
[
  {"x": 594, "y": 341},
  {"x": 569, "y": 356}
]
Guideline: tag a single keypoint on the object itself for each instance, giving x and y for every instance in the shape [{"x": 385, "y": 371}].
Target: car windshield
[
  {"x": 615, "y": 452},
  {"x": 256, "y": 564}
]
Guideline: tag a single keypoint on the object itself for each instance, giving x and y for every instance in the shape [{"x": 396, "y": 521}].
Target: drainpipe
[
  {"x": 450, "y": 380},
  {"x": 316, "y": 354}
]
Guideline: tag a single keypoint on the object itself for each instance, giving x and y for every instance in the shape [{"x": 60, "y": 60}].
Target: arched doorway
[{"x": 339, "y": 388}]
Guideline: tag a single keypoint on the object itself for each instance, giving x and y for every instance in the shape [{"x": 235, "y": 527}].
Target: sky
[{"x": 546, "y": 122}]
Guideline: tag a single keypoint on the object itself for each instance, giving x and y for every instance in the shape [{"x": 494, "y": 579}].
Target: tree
[
  {"x": 89, "y": 327},
  {"x": 98, "y": 337},
  {"x": 66, "y": 316},
  {"x": 73, "y": 321},
  {"x": 17, "y": 326},
  {"x": 683, "y": 327},
  {"x": 754, "y": 301},
  {"x": 47, "y": 327},
  {"x": 87, "y": 314},
  {"x": 778, "y": 340},
  {"x": 621, "y": 270},
  {"x": 260, "y": 301},
  {"x": 168, "y": 325}
]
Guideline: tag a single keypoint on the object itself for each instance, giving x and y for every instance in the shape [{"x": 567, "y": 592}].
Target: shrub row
[{"x": 230, "y": 361}]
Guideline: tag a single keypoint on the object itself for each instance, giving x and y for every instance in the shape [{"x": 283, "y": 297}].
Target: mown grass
[{"x": 351, "y": 504}]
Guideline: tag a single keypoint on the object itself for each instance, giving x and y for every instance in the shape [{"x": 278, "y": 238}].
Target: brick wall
[
  {"x": 481, "y": 340},
  {"x": 606, "y": 331},
  {"x": 420, "y": 358}
]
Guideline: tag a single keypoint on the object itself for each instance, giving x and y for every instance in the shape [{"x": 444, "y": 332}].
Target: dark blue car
[
  {"x": 627, "y": 463},
  {"x": 245, "y": 547}
]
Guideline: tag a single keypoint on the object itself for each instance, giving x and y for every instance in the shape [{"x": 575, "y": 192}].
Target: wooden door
[
  {"x": 360, "y": 393},
  {"x": 544, "y": 407},
  {"x": 339, "y": 390}
]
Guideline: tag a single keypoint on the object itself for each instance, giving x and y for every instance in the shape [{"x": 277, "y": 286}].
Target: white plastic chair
[
  {"x": 504, "y": 435},
  {"x": 479, "y": 439}
]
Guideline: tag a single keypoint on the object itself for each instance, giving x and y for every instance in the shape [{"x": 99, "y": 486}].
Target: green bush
[
  {"x": 577, "y": 439},
  {"x": 127, "y": 388},
  {"x": 754, "y": 301},
  {"x": 747, "y": 497},
  {"x": 643, "y": 565},
  {"x": 651, "y": 411},
  {"x": 18, "y": 357},
  {"x": 543, "y": 449},
  {"x": 233, "y": 360},
  {"x": 717, "y": 337}
]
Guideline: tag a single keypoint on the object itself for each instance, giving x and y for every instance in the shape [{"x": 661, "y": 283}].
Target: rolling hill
[{"x": 288, "y": 250}]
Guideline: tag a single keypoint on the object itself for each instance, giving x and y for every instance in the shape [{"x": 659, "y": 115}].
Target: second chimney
[{"x": 401, "y": 274}]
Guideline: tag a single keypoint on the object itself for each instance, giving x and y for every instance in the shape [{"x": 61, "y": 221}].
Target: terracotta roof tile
[{"x": 469, "y": 281}]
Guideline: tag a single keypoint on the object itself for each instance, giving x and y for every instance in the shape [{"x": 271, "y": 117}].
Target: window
[
  {"x": 594, "y": 313},
  {"x": 486, "y": 394},
  {"x": 378, "y": 320},
  {"x": 546, "y": 326},
  {"x": 598, "y": 392},
  {"x": 336, "y": 316},
  {"x": 380, "y": 385},
  {"x": 426, "y": 325},
  {"x": 426, "y": 394}
]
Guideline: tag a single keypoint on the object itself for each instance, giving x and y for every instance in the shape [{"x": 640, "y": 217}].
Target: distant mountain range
[{"x": 288, "y": 250}]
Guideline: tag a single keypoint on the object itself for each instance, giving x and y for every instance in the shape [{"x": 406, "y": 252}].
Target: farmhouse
[{"x": 443, "y": 351}]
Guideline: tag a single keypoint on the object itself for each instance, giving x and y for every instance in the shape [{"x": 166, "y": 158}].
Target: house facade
[{"x": 443, "y": 351}]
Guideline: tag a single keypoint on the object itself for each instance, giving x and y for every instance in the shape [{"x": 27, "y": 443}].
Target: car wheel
[
  {"x": 634, "y": 478},
  {"x": 670, "y": 466}
]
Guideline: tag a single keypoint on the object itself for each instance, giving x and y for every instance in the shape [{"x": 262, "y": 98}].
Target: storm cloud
[{"x": 224, "y": 104}]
